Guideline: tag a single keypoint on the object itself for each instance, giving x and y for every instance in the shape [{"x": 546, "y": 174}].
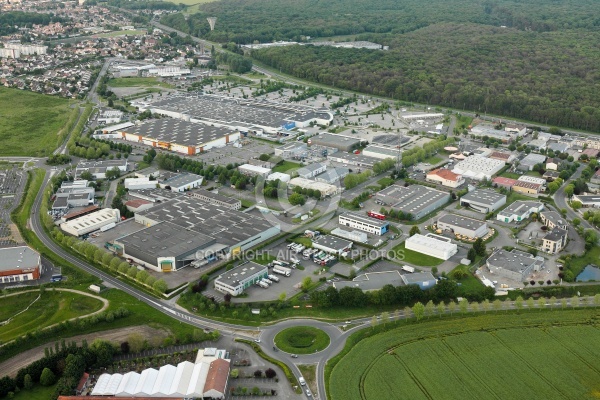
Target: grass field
[
  {"x": 51, "y": 308},
  {"x": 137, "y": 82},
  {"x": 302, "y": 340},
  {"x": 38, "y": 392},
  {"x": 30, "y": 122},
  {"x": 286, "y": 166},
  {"x": 433, "y": 160},
  {"x": 540, "y": 355},
  {"x": 412, "y": 257}
]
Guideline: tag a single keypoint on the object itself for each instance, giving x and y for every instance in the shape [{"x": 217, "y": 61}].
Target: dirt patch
[{"x": 11, "y": 366}]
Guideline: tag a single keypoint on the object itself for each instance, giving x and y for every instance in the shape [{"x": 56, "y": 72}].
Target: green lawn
[
  {"x": 385, "y": 182},
  {"x": 414, "y": 258},
  {"x": 433, "y": 160},
  {"x": 513, "y": 196},
  {"x": 137, "y": 82},
  {"x": 286, "y": 166},
  {"x": 469, "y": 284},
  {"x": 511, "y": 175},
  {"x": 30, "y": 122},
  {"x": 577, "y": 264},
  {"x": 533, "y": 355},
  {"x": 303, "y": 240},
  {"x": 121, "y": 33},
  {"x": 38, "y": 392},
  {"x": 51, "y": 308},
  {"x": 302, "y": 340}
]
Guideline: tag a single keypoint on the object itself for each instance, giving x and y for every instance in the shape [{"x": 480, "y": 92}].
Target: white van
[{"x": 302, "y": 381}]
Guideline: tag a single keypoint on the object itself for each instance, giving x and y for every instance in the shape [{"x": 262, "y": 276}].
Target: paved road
[{"x": 560, "y": 198}]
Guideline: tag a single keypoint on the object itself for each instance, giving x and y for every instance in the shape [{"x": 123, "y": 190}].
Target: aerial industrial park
[{"x": 180, "y": 223}]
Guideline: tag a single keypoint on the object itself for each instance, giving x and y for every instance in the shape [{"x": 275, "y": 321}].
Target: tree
[
  {"x": 234, "y": 373},
  {"x": 306, "y": 282},
  {"x": 519, "y": 303},
  {"x": 47, "y": 378},
  {"x": 258, "y": 373},
  {"x": 441, "y": 309},
  {"x": 471, "y": 255},
  {"x": 297, "y": 199},
  {"x": 479, "y": 247},
  {"x": 160, "y": 286},
  {"x": 429, "y": 308},
  {"x": 418, "y": 310},
  {"x": 270, "y": 373},
  {"x": 385, "y": 317},
  {"x": 414, "y": 231},
  {"x": 27, "y": 382},
  {"x": 464, "y": 306}
]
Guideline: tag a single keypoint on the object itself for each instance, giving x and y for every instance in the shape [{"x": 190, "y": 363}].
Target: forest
[{"x": 535, "y": 60}]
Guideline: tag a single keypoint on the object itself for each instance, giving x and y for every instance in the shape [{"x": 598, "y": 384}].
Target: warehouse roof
[
  {"x": 254, "y": 168},
  {"x": 463, "y": 222},
  {"x": 332, "y": 242},
  {"x": 411, "y": 199},
  {"x": 478, "y": 167},
  {"x": 417, "y": 277},
  {"x": 512, "y": 261},
  {"x": 528, "y": 185},
  {"x": 233, "y": 276},
  {"x": 354, "y": 158},
  {"x": 154, "y": 195},
  {"x": 387, "y": 151},
  {"x": 431, "y": 242},
  {"x": 181, "y": 180},
  {"x": 215, "y": 196},
  {"x": 521, "y": 207},
  {"x": 532, "y": 159},
  {"x": 482, "y": 196},
  {"x": 21, "y": 257},
  {"x": 334, "y": 140},
  {"x": 178, "y": 131},
  {"x": 166, "y": 239}
]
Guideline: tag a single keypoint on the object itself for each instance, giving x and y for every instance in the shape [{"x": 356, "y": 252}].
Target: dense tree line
[
  {"x": 10, "y": 22},
  {"x": 145, "y": 5},
  {"x": 269, "y": 20},
  {"x": 237, "y": 63}
]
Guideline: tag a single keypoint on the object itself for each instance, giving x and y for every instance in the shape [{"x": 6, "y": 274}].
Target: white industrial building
[
  {"x": 460, "y": 225},
  {"x": 109, "y": 117},
  {"x": 19, "y": 264},
  {"x": 355, "y": 236},
  {"x": 482, "y": 200},
  {"x": 240, "y": 278},
  {"x": 216, "y": 199},
  {"x": 292, "y": 150},
  {"x": 532, "y": 179},
  {"x": 331, "y": 244},
  {"x": 431, "y": 245},
  {"x": 381, "y": 152},
  {"x": 73, "y": 194},
  {"x": 254, "y": 170},
  {"x": 282, "y": 177},
  {"x": 91, "y": 222},
  {"x": 206, "y": 378},
  {"x": 168, "y": 71},
  {"x": 325, "y": 188},
  {"x": 364, "y": 223},
  {"x": 519, "y": 211},
  {"x": 478, "y": 168},
  {"x": 311, "y": 170},
  {"x": 139, "y": 183},
  {"x": 514, "y": 265}
]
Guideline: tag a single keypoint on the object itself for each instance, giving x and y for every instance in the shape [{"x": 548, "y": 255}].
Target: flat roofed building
[
  {"x": 154, "y": 195},
  {"x": 431, "y": 245},
  {"x": 325, "y": 188},
  {"x": 332, "y": 175},
  {"x": 181, "y": 182},
  {"x": 445, "y": 177},
  {"x": 180, "y": 136},
  {"x": 372, "y": 281},
  {"x": 236, "y": 230},
  {"x": 532, "y": 179},
  {"x": 587, "y": 200},
  {"x": 519, "y": 211},
  {"x": 516, "y": 266},
  {"x": 355, "y": 236},
  {"x": 311, "y": 170},
  {"x": 360, "y": 160},
  {"x": 19, "y": 264},
  {"x": 482, "y": 200},
  {"x": 292, "y": 150},
  {"x": 416, "y": 200},
  {"x": 279, "y": 176},
  {"x": 254, "y": 170},
  {"x": 381, "y": 152},
  {"x": 530, "y": 160},
  {"x": 167, "y": 247},
  {"x": 364, "y": 223},
  {"x": 555, "y": 240},
  {"x": 91, "y": 222},
  {"x": 460, "y": 225},
  {"x": 506, "y": 183},
  {"x": 240, "y": 278},
  {"x": 478, "y": 168},
  {"x": 332, "y": 244},
  {"x": 527, "y": 187},
  {"x": 213, "y": 197},
  {"x": 137, "y": 205},
  {"x": 425, "y": 280},
  {"x": 139, "y": 183},
  {"x": 505, "y": 157},
  {"x": 98, "y": 168},
  {"x": 252, "y": 115},
  {"x": 340, "y": 142}
]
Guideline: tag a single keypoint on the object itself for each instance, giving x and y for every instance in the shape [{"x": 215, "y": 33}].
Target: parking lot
[{"x": 12, "y": 184}]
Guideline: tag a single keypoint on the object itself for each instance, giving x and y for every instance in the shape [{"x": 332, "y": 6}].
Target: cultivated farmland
[
  {"x": 546, "y": 354},
  {"x": 30, "y": 123}
]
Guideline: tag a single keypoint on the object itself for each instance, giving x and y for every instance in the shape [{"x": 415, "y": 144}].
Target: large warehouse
[
  {"x": 514, "y": 265},
  {"x": 19, "y": 264},
  {"x": 460, "y": 225},
  {"x": 364, "y": 223},
  {"x": 224, "y": 232},
  {"x": 482, "y": 200},
  {"x": 240, "y": 278},
  {"x": 91, "y": 222},
  {"x": 246, "y": 115},
  {"x": 519, "y": 211},
  {"x": 340, "y": 142},
  {"x": 325, "y": 188},
  {"x": 415, "y": 200},
  {"x": 179, "y": 135},
  {"x": 206, "y": 378},
  {"x": 99, "y": 168},
  {"x": 477, "y": 167},
  {"x": 431, "y": 245}
]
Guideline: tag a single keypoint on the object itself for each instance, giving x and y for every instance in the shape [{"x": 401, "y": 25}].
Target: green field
[
  {"x": 30, "y": 122},
  {"x": 414, "y": 258},
  {"x": 51, "y": 308},
  {"x": 539, "y": 355},
  {"x": 137, "y": 82},
  {"x": 286, "y": 166},
  {"x": 38, "y": 392},
  {"x": 302, "y": 340}
]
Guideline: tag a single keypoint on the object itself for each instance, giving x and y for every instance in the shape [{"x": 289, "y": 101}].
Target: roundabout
[{"x": 302, "y": 340}]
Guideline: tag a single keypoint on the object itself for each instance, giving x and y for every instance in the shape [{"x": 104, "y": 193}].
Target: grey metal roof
[
  {"x": 461, "y": 221},
  {"x": 417, "y": 278},
  {"x": 481, "y": 196},
  {"x": 412, "y": 199},
  {"x": 332, "y": 242},
  {"x": 511, "y": 261},
  {"x": 21, "y": 257},
  {"x": 179, "y": 131},
  {"x": 556, "y": 234}
]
